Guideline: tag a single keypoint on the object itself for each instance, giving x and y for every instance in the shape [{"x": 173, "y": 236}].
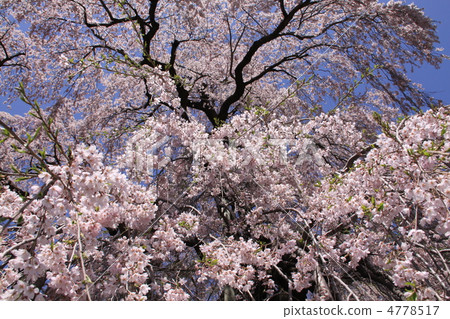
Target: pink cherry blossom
[{"x": 236, "y": 150}]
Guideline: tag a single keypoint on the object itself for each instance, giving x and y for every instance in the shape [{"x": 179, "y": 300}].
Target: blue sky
[{"x": 435, "y": 81}]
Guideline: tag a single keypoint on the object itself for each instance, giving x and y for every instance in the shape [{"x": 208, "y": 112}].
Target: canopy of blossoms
[{"x": 221, "y": 150}]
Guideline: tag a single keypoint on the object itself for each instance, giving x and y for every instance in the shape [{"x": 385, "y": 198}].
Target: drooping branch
[
  {"x": 240, "y": 84},
  {"x": 8, "y": 57}
]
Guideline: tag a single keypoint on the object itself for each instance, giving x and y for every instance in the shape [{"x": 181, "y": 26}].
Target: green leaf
[
  {"x": 36, "y": 134},
  {"x": 413, "y": 296},
  {"x": 185, "y": 225},
  {"x": 15, "y": 169},
  {"x": 42, "y": 153},
  {"x": 6, "y": 132},
  {"x": 33, "y": 114}
]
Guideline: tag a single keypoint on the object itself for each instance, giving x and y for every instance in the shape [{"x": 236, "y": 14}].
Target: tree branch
[{"x": 239, "y": 71}]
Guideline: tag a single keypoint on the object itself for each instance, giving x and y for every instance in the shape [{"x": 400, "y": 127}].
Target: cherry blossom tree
[{"x": 221, "y": 150}]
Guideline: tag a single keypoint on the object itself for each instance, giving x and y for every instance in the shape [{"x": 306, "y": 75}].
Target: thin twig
[
  {"x": 26, "y": 241},
  {"x": 286, "y": 278},
  {"x": 83, "y": 269},
  {"x": 346, "y": 287}
]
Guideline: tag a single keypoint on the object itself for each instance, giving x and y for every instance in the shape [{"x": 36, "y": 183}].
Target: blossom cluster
[{"x": 181, "y": 150}]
